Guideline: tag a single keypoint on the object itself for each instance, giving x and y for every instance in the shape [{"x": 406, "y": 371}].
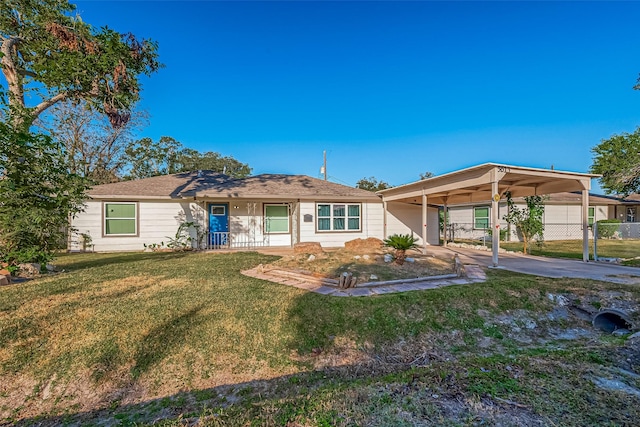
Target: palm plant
[{"x": 401, "y": 243}]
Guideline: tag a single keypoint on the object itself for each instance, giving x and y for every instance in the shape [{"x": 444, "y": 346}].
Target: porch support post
[
  {"x": 384, "y": 219},
  {"x": 424, "y": 222},
  {"x": 585, "y": 225},
  {"x": 495, "y": 222}
]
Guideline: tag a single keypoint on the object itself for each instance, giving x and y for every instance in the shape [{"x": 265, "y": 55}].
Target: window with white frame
[
  {"x": 338, "y": 216},
  {"x": 120, "y": 219},
  {"x": 631, "y": 214},
  {"x": 276, "y": 219},
  {"x": 591, "y": 217},
  {"x": 481, "y": 217}
]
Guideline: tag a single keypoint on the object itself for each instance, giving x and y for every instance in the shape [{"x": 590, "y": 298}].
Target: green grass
[
  {"x": 573, "y": 248},
  {"x": 143, "y": 336}
]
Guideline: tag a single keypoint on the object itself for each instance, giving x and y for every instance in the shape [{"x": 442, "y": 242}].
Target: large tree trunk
[{"x": 15, "y": 80}]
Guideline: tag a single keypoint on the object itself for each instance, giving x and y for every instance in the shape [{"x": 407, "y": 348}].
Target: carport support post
[
  {"x": 585, "y": 225},
  {"x": 384, "y": 218},
  {"x": 495, "y": 223},
  {"x": 424, "y": 222},
  {"x": 445, "y": 219}
]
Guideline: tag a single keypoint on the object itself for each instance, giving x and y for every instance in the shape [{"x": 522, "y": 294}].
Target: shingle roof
[
  {"x": 632, "y": 198},
  {"x": 214, "y": 185}
]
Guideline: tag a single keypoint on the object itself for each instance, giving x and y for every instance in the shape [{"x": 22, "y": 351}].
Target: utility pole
[{"x": 324, "y": 164}]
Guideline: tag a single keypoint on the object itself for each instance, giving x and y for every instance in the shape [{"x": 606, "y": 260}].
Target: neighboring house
[
  {"x": 562, "y": 215},
  {"x": 628, "y": 209},
  {"x": 267, "y": 210}
]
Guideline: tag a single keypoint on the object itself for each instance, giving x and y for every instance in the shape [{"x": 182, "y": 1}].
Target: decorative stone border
[{"x": 469, "y": 274}]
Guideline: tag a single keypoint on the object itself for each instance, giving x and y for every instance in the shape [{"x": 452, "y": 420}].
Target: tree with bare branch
[
  {"x": 95, "y": 149},
  {"x": 48, "y": 54}
]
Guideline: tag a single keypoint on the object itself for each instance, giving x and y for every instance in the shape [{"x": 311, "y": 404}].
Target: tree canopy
[
  {"x": 426, "y": 175},
  {"x": 38, "y": 195},
  {"x": 146, "y": 158},
  {"x": 50, "y": 55},
  {"x": 372, "y": 184},
  {"x": 617, "y": 159}
]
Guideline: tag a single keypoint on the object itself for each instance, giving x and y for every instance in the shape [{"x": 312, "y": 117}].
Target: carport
[{"x": 490, "y": 182}]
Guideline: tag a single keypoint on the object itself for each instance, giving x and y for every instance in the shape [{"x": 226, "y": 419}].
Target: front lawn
[{"x": 183, "y": 337}]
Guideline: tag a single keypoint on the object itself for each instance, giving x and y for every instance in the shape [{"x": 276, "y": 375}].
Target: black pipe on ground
[{"x": 610, "y": 320}]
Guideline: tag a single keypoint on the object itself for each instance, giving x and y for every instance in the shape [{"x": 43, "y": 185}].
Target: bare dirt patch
[{"x": 367, "y": 265}]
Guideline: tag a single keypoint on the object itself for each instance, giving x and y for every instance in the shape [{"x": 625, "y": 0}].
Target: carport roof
[{"x": 474, "y": 184}]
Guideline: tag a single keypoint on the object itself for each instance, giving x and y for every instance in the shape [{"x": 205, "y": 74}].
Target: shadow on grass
[
  {"x": 75, "y": 262},
  {"x": 232, "y": 401},
  {"x": 161, "y": 339}
]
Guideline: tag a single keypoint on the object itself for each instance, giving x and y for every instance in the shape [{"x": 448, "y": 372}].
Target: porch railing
[
  {"x": 218, "y": 240},
  {"x": 226, "y": 240}
]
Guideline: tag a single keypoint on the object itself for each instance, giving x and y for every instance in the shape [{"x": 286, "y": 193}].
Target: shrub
[
  {"x": 607, "y": 228},
  {"x": 401, "y": 243},
  {"x": 38, "y": 195}
]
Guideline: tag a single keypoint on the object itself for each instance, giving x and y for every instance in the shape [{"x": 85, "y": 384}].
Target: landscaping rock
[
  {"x": 30, "y": 269},
  {"x": 561, "y": 300},
  {"x": 530, "y": 324},
  {"x": 558, "y": 313},
  {"x": 5, "y": 272},
  {"x": 370, "y": 244},
  {"x": 410, "y": 259},
  {"x": 610, "y": 260},
  {"x": 615, "y": 385},
  {"x": 308, "y": 248},
  {"x": 311, "y": 258},
  {"x": 4, "y": 280},
  {"x": 366, "y": 257},
  {"x": 347, "y": 281},
  {"x": 388, "y": 258},
  {"x": 621, "y": 332}
]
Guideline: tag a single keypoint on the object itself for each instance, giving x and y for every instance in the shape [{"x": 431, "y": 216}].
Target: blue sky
[{"x": 388, "y": 89}]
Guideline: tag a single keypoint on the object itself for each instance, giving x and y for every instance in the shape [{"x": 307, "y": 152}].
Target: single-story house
[
  {"x": 562, "y": 215},
  {"x": 281, "y": 210},
  {"x": 269, "y": 210}
]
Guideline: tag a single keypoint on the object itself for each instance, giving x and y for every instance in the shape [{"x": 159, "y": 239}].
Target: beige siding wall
[
  {"x": 403, "y": 218},
  {"x": 463, "y": 221},
  {"x": 562, "y": 222},
  {"x": 157, "y": 222},
  {"x": 371, "y": 225}
]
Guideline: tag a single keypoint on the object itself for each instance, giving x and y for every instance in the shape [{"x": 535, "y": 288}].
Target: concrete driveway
[{"x": 551, "y": 267}]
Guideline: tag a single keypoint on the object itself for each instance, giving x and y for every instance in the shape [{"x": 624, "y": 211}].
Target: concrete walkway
[
  {"x": 473, "y": 274},
  {"x": 548, "y": 267}
]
